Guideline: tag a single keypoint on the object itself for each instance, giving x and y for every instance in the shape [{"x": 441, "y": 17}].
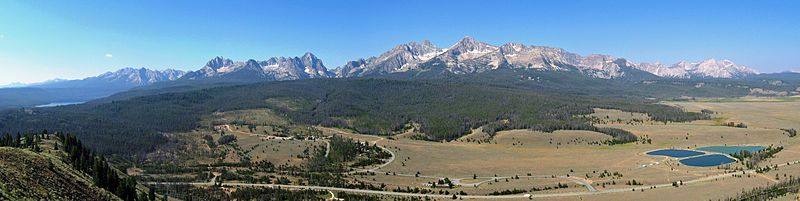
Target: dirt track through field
[{"x": 584, "y": 182}]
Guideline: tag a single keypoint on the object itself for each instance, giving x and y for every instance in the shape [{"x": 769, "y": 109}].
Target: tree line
[
  {"x": 104, "y": 176},
  {"x": 789, "y": 185},
  {"x": 29, "y": 141},
  {"x": 82, "y": 159}
]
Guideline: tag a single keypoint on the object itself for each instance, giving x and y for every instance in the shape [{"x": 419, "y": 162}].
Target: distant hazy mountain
[
  {"x": 13, "y": 84},
  {"x": 470, "y": 55},
  {"x": 276, "y": 68},
  {"x": 86, "y": 89},
  {"x": 708, "y": 68},
  {"x": 126, "y": 77}
]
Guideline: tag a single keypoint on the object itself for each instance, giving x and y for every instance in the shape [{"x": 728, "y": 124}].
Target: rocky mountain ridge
[
  {"x": 470, "y": 55},
  {"x": 466, "y": 56},
  {"x": 272, "y": 69},
  {"x": 125, "y": 77}
]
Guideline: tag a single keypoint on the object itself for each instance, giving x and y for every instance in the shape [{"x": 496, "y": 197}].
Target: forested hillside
[
  {"x": 445, "y": 108},
  {"x": 635, "y": 86},
  {"x": 43, "y": 166},
  {"x": 28, "y": 175}
]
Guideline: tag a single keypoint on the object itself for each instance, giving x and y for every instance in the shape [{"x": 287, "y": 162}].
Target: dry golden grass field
[
  {"x": 520, "y": 152},
  {"x": 537, "y": 162}
]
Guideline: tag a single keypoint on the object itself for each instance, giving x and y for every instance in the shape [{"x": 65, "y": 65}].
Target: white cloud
[{"x": 108, "y": 55}]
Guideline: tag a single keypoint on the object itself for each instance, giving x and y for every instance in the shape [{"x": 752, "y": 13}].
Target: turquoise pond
[
  {"x": 676, "y": 153},
  {"x": 707, "y": 160},
  {"x": 705, "y": 156},
  {"x": 731, "y": 149}
]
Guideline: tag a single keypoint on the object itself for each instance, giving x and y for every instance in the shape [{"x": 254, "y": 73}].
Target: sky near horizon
[{"x": 42, "y": 40}]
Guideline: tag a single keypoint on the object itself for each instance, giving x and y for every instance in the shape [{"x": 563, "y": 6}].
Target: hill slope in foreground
[{"x": 27, "y": 175}]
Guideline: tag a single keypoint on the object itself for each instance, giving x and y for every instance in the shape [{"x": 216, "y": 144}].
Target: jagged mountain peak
[
  {"x": 140, "y": 76},
  {"x": 252, "y": 63},
  {"x": 512, "y": 47},
  {"x": 415, "y": 47},
  {"x": 468, "y": 44},
  {"x": 467, "y": 40},
  {"x": 218, "y": 62},
  {"x": 714, "y": 68},
  {"x": 124, "y": 77},
  {"x": 426, "y": 42},
  {"x": 717, "y": 62},
  {"x": 723, "y": 68},
  {"x": 402, "y": 57},
  {"x": 470, "y": 55},
  {"x": 308, "y": 56},
  {"x": 274, "y": 68}
]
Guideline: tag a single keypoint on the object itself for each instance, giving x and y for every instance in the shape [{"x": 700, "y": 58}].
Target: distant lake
[
  {"x": 58, "y": 104},
  {"x": 707, "y": 160},
  {"x": 731, "y": 149},
  {"x": 677, "y": 153}
]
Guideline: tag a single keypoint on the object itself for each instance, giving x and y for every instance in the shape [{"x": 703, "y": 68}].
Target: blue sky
[{"x": 41, "y": 40}]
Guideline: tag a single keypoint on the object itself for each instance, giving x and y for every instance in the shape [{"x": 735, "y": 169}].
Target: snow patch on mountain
[
  {"x": 470, "y": 55},
  {"x": 710, "y": 68},
  {"x": 403, "y": 57},
  {"x": 275, "y": 68}
]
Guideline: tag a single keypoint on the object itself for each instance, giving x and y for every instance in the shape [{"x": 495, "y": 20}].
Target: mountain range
[
  {"x": 467, "y": 56},
  {"x": 123, "y": 78},
  {"x": 273, "y": 69},
  {"x": 60, "y": 90}
]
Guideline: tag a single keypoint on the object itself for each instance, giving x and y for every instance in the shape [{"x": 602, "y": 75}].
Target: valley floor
[{"x": 563, "y": 165}]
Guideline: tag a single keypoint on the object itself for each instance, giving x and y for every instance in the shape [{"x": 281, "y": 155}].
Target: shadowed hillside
[{"x": 39, "y": 176}]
